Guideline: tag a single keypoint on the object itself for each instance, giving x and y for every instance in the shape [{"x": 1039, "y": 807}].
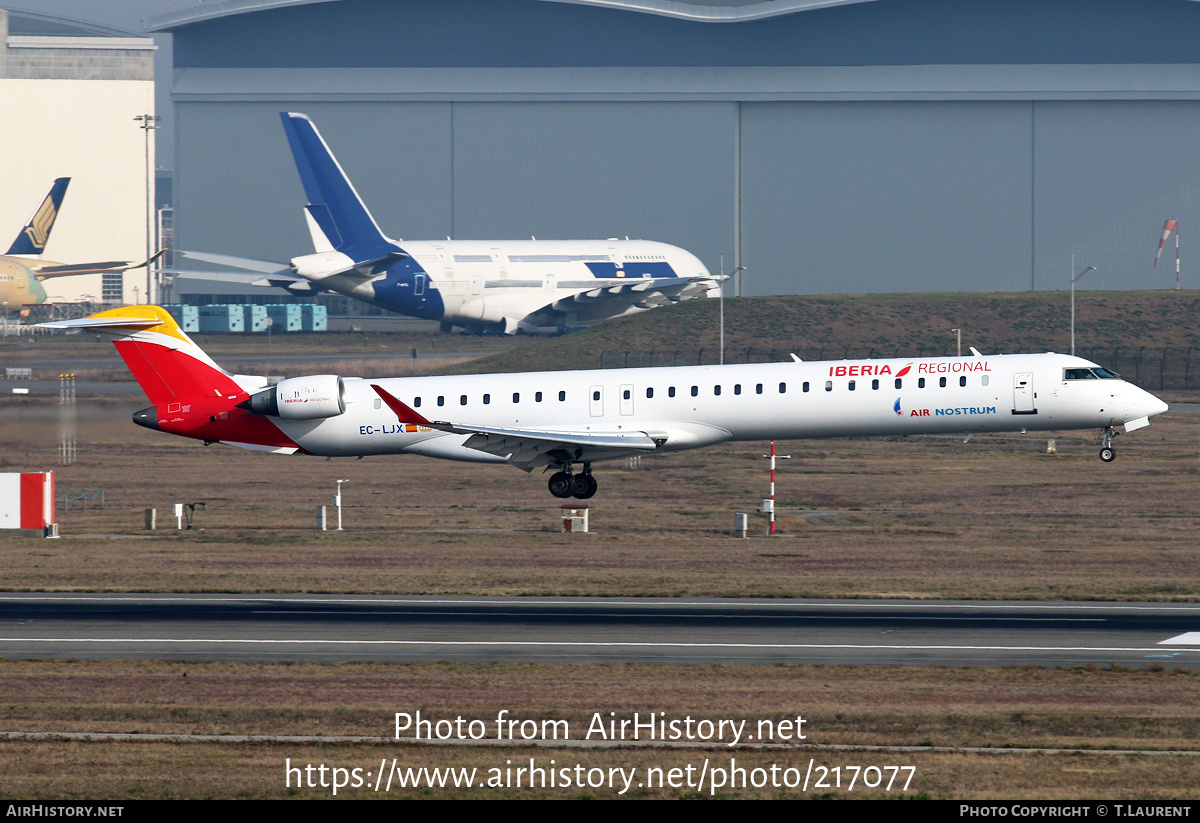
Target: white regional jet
[
  {"x": 571, "y": 419},
  {"x": 480, "y": 285}
]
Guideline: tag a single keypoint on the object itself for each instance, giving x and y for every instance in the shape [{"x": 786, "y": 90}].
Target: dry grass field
[{"x": 924, "y": 518}]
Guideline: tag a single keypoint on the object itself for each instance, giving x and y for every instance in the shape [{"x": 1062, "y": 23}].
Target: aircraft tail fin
[
  {"x": 165, "y": 362},
  {"x": 31, "y": 242},
  {"x": 334, "y": 208}
]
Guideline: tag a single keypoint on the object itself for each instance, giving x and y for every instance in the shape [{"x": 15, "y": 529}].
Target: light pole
[
  {"x": 1075, "y": 277},
  {"x": 958, "y": 333},
  {"x": 337, "y": 501},
  {"x": 149, "y": 122}
]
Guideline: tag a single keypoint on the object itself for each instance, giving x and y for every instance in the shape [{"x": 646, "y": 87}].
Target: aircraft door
[
  {"x": 419, "y": 285},
  {"x": 627, "y": 398},
  {"x": 596, "y": 399},
  {"x": 1024, "y": 397}
]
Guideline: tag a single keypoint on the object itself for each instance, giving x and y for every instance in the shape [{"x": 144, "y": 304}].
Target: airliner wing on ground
[
  {"x": 478, "y": 285},
  {"x": 21, "y": 267},
  {"x": 568, "y": 420}
]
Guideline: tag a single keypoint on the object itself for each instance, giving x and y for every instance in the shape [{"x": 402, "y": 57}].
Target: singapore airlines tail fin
[
  {"x": 165, "y": 362},
  {"x": 31, "y": 242}
]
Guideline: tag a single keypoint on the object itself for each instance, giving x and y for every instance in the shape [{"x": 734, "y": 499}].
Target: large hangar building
[
  {"x": 824, "y": 145},
  {"x": 70, "y": 92}
]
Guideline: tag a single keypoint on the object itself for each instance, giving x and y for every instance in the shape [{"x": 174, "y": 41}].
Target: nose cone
[{"x": 1142, "y": 405}]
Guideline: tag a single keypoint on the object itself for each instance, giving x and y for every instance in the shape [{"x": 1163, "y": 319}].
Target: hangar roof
[{"x": 704, "y": 11}]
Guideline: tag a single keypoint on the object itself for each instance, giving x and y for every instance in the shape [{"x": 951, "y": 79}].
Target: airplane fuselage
[
  {"x": 18, "y": 285},
  {"x": 529, "y": 285},
  {"x": 688, "y": 407}
]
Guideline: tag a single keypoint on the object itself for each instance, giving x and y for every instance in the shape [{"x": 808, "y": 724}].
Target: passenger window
[
  {"x": 695, "y": 391},
  {"x": 537, "y": 397},
  {"x": 758, "y": 389},
  {"x": 962, "y": 381},
  {"x": 737, "y": 388},
  {"x": 378, "y": 403},
  {"x": 626, "y": 394},
  {"x": 984, "y": 380},
  {"x": 596, "y": 395},
  {"x": 850, "y": 386},
  {"x": 416, "y": 402},
  {"x": 804, "y": 387},
  {"x": 942, "y": 382},
  {"x": 562, "y": 395},
  {"x": 782, "y": 388},
  {"x": 899, "y": 383},
  {"x": 649, "y": 393},
  {"x": 487, "y": 398},
  {"x": 671, "y": 392},
  {"x": 921, "y": 383},
  {"x": 516, "y": 397},
  {"x": 717, "y": 391},
  {"x": 462, "y": 401},
  {"x": 875, "y": 385},
  {"x": 828, "y": 385},
  {"x": 441, "y": 400}
]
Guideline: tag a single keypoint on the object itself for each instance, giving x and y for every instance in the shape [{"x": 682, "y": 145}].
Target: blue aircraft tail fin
[
  {"x": 32, "y": 239},
  {"x": 333, "y": 203}
]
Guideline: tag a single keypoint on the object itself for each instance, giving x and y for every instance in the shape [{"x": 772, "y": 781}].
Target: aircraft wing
[
  {"x": 529, "y": 448},
  {"x": 244, "y": 263},
  {"x": 109, "y": 267},
  {"x": 644, "y": 293},
  {"x": 278, "y": 275}
]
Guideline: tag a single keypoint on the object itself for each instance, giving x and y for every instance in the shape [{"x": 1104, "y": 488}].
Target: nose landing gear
[
  {"x": 1107, "y": 453},
  {"x": 563, "y": 484}
]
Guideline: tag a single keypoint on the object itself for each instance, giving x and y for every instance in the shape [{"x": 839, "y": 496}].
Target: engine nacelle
[{"x": 301, "y": 398}]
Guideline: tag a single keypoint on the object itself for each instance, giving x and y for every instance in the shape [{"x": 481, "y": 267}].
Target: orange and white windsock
[{"x": 1168, "y": 227}]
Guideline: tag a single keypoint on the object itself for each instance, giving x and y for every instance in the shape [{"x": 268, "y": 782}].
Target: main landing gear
[
  {"x": 1107, "y": 453},
  {"x": 565, "y": 484}
]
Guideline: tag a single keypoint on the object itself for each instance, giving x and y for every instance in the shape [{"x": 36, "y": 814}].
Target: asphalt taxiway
[{"x": 596, "y": 630}]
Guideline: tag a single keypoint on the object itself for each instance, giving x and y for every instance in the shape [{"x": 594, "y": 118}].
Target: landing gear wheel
[
  {"x": 584, "y": 486},
  {"x": 1108, "y": 454},
  {"x": 561, "y": 484}
]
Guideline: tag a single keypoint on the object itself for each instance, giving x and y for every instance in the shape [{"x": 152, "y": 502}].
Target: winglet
[
  {"x": 403, "y": 411},
  {"x": 32, "y": 239}
]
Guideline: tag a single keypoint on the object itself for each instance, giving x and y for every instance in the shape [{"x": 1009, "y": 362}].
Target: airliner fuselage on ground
[
  {"x": 568, "y": 420},
  {"x": 480, "y": 285}
]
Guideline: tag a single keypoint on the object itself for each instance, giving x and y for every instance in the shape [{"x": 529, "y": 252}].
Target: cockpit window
[{"x": 1096, "y": 373}]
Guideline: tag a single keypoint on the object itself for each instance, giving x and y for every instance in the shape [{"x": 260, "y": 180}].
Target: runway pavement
[{"x": 594, "y": 630}]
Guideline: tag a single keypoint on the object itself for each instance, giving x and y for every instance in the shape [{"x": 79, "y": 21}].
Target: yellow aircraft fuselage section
[{"x": 18, "y": 285}]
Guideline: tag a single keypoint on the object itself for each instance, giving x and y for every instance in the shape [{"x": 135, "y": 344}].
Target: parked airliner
[
  {"x": 21, "y": 267},
  {"x": 479, "y": 285},
  {"x": 571, "y": 419}
]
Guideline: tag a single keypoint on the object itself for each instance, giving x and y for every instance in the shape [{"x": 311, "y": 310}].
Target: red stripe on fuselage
[{"x": 215, "y": 418}]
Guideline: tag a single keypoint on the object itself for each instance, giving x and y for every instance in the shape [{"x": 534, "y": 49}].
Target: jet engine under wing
[{"x": 528, "y": 448}]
